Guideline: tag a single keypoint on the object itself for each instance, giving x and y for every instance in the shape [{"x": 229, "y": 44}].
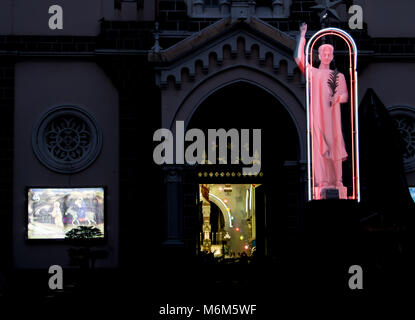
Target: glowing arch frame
[{"x": 353, "y": 103}]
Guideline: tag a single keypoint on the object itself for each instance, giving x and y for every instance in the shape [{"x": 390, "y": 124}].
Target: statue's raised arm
[{"x": 299, "y": 50}]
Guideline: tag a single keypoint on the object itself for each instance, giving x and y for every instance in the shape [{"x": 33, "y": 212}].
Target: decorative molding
[
  {"x": 217, "y": 48},
  {"x": 276, "y": 9}
]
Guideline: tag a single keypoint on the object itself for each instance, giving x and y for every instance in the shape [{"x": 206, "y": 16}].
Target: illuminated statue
[{"x": 328, "y": 90}]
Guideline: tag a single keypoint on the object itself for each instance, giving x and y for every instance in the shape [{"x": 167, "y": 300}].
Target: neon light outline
[{"x": 354, "y": 100}]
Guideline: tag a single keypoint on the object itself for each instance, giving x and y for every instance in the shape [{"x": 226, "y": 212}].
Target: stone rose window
[
  {"x": 404, "y": 118},
  {"x": 67, "y": 139}
]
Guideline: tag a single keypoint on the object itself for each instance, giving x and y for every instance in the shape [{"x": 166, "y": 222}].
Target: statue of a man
[{"x": 328, "y": 90}]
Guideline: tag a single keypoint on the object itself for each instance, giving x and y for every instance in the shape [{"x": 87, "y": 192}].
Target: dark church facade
[{"x": 123, "y": 69}]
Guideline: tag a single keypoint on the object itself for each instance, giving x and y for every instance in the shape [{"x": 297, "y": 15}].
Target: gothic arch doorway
[
  {"x": 222, "y": 86},
  {"x": 243, "y": 105}
]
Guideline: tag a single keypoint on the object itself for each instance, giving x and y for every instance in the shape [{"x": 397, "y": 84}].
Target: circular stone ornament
[
  {"x": 67, "y": 139},
  {"x": 404, "y": 118}
]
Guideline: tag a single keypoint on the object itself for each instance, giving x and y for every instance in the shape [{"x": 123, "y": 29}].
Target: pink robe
[
  {"x": 328, "y": 149},
  {"x": 328, "y": 142}
]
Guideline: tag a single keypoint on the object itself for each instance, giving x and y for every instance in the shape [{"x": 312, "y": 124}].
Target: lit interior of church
[{"x": 228, "y": 226}]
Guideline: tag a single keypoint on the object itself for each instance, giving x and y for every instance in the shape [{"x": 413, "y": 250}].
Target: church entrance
[{"x": 248, "y": 216}]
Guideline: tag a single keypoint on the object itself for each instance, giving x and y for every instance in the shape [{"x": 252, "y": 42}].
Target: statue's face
[{"x": 326, "y": 56}]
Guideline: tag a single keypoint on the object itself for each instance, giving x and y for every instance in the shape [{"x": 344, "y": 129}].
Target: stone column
[
  {"x": 198, "y": 7},
  {"x": 173, "y": 181},
  {"x": 224, "y": 6},
  {"x": 207, "y": 228},
  {"x": 277, "y": 8},
  {"x": 251, "y": 6}
]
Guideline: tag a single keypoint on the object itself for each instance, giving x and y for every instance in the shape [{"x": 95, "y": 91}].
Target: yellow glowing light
[{"x": 241, "y": 237}]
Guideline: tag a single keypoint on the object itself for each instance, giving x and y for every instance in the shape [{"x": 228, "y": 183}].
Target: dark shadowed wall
[{"x": 68, "y": 82}]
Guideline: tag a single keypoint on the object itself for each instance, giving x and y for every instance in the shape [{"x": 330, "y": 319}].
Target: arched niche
[{"x": 323, "y": 144}]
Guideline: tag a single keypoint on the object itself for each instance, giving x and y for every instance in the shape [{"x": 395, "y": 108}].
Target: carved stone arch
[
  {"x": 214, "y": 58},
  {"x": 217, "y": 48},
  {"x": 237, "y": 73}
]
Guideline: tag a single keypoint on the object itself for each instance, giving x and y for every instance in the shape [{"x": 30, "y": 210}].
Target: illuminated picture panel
[
  {"x": 332, "y": 118},
  {"x": 52, "y": 212}
]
